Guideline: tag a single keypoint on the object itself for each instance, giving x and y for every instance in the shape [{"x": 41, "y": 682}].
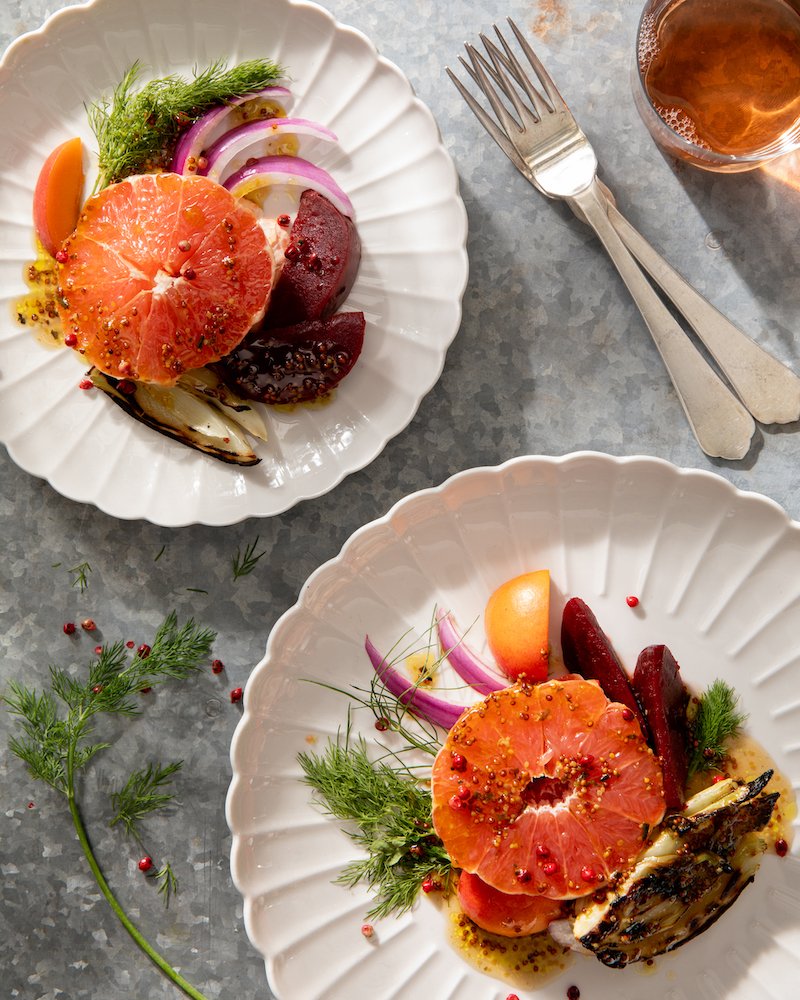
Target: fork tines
[{"x": 503, "y": 74}]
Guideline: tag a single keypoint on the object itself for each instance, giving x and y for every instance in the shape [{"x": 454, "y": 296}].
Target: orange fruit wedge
[
  {"x": 163, "y": 274},
  {"x": 57, "y": 195},
  {"x": 517, "y": 625},
  {"x": 546, "y": 789}
]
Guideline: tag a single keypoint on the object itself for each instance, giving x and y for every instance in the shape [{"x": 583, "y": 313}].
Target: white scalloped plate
[
  {"x": 389, "y": 159},
  {"x": 717, "y": 574}
]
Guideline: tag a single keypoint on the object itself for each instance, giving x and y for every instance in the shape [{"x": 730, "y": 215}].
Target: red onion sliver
[
  {"x": 288, "y": 170},
  {"x": 467, "y": 664},
  {"x": 197, "y": 137},
  {"x": 220, "y": 153},
  {"x": 436, "y": 710}
]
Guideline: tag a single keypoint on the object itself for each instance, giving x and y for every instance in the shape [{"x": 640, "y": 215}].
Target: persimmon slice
[{"x": 558, "y": 793}]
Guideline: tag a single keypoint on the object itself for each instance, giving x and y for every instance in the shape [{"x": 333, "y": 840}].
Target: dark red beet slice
[
  {"x": 295, "y": 363},
  {"x": 321, "y": 264},
  {"x": 587, "y": 651},
  {"x": 661, "y": 693}
]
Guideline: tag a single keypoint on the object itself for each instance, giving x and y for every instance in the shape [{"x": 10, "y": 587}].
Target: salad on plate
[
  {"x": 552, "y": 806},
  {"x": 208, "y": 269}
]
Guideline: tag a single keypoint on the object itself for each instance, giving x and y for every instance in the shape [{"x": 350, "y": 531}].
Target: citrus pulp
[
  {"x": 163, "y": 273},
  {"x": 546, "y": 789}
]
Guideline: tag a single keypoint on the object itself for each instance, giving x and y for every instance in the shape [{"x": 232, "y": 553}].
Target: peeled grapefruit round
[
  {"x": 546, "y": 789},
  {"x": 163, "y": 273}
]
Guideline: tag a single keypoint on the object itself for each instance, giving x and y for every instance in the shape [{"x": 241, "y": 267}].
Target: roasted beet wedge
[
  {"x": 321, "y": 264},
  {"x": 663, "y": 697},
  {"x": 587, "y": 651},
  {"x": 297, "y": 363}
]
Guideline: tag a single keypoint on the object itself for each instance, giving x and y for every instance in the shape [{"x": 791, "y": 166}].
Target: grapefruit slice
[
  {"x": 163, "y": 274},
  {"x": 548, "y": 789}
]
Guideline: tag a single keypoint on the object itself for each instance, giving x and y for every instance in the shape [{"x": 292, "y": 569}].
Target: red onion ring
[
  {"x": 288, "y": 170},
  {"x": 194, "y": 140},
  {"x": 219, "y": 154},
  {"x": 467, "y": 664},
  {"x": 436, "y": 710}
]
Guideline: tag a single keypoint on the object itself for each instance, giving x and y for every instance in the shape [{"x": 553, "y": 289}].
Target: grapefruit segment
[
  {"x": 163, "y": 274},
  {"x": 558, "y": 794},
  {"x": 501, "y": 913}
]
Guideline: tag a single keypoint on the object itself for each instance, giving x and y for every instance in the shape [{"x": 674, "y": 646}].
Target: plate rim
[{"x": 225, "y": 517}]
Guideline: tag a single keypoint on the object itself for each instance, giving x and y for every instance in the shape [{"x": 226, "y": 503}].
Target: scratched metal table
[{"x": 551, "y": 357}]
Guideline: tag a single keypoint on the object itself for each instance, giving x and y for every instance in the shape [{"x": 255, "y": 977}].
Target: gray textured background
[{"x": 551, "y": 357}]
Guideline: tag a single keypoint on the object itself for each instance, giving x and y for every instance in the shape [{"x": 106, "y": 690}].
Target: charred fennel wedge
[
  {"x": 199, "y": 412},
  {"x": 695, "y": 868}
]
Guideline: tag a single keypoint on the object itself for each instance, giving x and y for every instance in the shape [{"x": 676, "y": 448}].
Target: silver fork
[{"x": 545, "y": 143}]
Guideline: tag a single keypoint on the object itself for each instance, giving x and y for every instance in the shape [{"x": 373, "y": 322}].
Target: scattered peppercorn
[
  {"x": 236, "y": 694},
  {"x": 98, "y": 650},
  {"x": 143, "y": 651},
  {"x": 145, "y": 863},
  {"x": 88, "y": 625},
  {"x": 85, "y": 383},
  {"x": 781, "y": 847},
  {"x": 130, "y": 643},
  {"x": 70, "y": 339},
  {"x": 429, "y": 884},
  {"x": 573, "y": 993},
  {"x": 631, "y": 601},
  {"x": 382, "y": 724},
  {"x": 31, "y": 805},
  {"x": 367, "y": 930},
  {"x": 69, "y": 628},
  {"x": 217, "y": 666}
]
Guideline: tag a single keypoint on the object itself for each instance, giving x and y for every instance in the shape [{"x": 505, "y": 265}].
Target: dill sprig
[
  {"x": 168, "y": 886},
  {"x": 136, "y": 130},
  {"x": 141, "y": 794},
  {"x": 716, "y": 721},
  {"x": 389, "y": 815},
  {"x": 245, "y": 562},
  {"x": 81, "y": 573},
  {"x": 58, "y": 724}
]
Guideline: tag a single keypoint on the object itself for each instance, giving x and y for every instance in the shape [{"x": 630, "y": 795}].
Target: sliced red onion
[
  {"x": 219, "y": 154},
  {"x": 288, "y": 171},
  {"x": 466, "y": 663},
  {"x": 201, "y": 133},
  {"x": 436, "y": 710}
]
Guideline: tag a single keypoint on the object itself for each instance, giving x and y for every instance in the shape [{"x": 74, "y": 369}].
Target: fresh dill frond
[
  {"x": 388, "y": 814},
  {"x": 136, "y": 130},
  {"x": 57, "y": 724},
  {"x": 168, "y": 883},
  {"x": 245, "y": 562},
  {"x": 81, "y": 573},
  {"x": 142, "y": 794},
  {"x": 717, "y": 720}
]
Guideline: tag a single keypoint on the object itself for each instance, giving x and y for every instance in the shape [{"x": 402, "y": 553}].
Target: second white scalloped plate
[
  {"x": 716, "y": 572},
  {"x": 389, "y": 159}
]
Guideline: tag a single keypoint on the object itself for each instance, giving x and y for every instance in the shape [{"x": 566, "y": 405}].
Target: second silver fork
[{"x": 545, "y": 143}]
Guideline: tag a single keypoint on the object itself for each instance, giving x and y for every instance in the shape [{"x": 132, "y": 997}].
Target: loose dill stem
[{"x": 111, "y": 899}]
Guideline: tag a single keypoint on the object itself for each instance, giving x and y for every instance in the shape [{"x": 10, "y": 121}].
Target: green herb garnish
[
  {"x": 81, "y": 575},
  {"x": 390, "y": 813},
  {"x": 137, "y": 129},
  {"x": 142, "y": 793},
  {"x": 58, "y": 725},
  {"x": 244, "y": 563},
  {"x": 716, "y": 721}
]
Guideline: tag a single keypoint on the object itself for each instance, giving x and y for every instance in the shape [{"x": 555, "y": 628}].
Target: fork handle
[
  {"x": 721, "y": 424},
  {"x": 769, "y": 390}
]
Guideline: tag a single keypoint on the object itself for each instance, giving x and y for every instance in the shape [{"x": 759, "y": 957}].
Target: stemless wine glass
[{"x": 717, "y": 82}]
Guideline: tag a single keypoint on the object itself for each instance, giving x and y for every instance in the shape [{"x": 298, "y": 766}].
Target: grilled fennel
[
  {"x": 200, "y": 411},
  {"x": 694, "y": 869}
]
